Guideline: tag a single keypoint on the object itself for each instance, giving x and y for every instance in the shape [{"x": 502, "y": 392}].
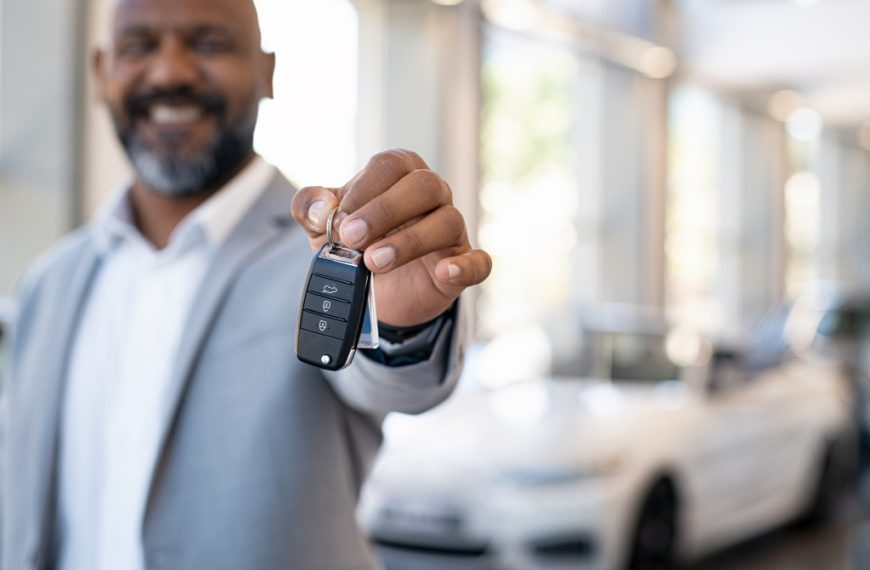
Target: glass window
[
  {"x": 693, "y": 205},
  {"x": 308, "y": 130},
  {"x": 803, "y": 212},
  {"x": 531, "y": 186}
]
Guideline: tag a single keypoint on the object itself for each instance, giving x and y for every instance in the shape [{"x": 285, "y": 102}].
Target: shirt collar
[{"x": 216, "y": 218}]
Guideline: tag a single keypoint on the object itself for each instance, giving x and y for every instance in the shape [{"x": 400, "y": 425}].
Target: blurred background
[{"x": 672, "y": 359}]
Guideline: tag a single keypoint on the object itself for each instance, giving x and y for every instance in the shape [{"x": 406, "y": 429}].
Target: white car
[{"x": 578, "y": 473}]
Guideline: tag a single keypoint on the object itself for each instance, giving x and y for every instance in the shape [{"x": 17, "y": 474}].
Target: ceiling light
[
  {"x": 804, "y": 124},
  {"x": 783, "y": 103},
  {"x": 519, "y": 15},
  {"x": 447, "y": 2},
  {"x": 658, "y": 62}
]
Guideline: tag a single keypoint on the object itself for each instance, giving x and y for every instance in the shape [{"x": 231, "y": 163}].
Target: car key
[{"x": 336, "y": 302}]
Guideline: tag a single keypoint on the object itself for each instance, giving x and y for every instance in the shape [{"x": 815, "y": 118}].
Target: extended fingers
[{"x": 465, "y": 270}]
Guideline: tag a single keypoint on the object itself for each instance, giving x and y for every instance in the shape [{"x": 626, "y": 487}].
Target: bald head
[
  {"x": 240, "y": 14},
  {"x": 183, "y": 80}
]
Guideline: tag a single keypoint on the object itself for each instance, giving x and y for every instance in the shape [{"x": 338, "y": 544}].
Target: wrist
[{"x": 398, "y": 335}]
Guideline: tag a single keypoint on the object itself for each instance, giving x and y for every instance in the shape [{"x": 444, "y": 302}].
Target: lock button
[{"x": 326, "y": 306}]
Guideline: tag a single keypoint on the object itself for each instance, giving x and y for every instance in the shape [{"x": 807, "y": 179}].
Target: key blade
[{"x": 369, "y": 338}]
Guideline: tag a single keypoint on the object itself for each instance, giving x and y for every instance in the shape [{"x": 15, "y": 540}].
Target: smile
[{"x": 162, "y": 114}]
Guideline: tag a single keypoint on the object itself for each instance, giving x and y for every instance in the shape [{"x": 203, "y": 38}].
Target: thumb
[{"x": 310, "y": 208}]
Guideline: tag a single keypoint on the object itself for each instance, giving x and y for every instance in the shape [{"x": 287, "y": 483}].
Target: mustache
[{"x": 139, "y": 104}]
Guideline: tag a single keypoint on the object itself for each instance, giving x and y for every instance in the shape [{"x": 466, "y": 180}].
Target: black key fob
[{"x": 333, "y": 307}]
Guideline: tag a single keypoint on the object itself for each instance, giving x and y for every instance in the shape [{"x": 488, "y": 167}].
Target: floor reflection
[{"x": 843, "y": 544}]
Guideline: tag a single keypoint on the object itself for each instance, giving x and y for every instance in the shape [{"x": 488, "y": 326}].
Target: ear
[
  {"x": 267, "y": 74},
  {"x": 99, "y": 61}
]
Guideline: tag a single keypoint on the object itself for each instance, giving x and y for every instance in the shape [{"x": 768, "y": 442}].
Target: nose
[{"x": 173, "y": 66}]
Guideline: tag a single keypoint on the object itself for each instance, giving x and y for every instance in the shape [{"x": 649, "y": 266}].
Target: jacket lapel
[
  {"x": 265, "y": 222},
  {"x": 33, "y": 441}
]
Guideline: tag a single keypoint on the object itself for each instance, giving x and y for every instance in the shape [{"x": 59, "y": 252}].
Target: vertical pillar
[
  {"x": 39, "y": 128},
  {"x": 633, "y": 174},
  {"x": 752, "y": 248},
  {"x": 104, "y": 164},
  {"x": 844, "y": 170},
  {"x": 833, "y": 225},
  {"x": 587, "y": 283},
  {"x": 856, "y": 184}
]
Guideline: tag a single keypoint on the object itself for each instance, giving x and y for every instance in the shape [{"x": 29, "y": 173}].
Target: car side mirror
[{"x": 725, "y": 371}]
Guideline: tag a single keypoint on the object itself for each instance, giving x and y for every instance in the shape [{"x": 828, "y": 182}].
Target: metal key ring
[{"x": 330, "y": 220}]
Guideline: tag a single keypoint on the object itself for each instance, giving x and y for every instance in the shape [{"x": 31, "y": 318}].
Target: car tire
[
  {"x": 836, "y": 473},
  {"x": 654, "y": 541}
]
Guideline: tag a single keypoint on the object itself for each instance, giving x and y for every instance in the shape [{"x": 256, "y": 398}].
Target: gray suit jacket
[{"x": 263, "y": 457}]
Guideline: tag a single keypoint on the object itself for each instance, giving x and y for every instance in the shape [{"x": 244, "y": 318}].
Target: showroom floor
[
  {"x": 844, "y": 544},
  {"x": 841, "y": 545}
]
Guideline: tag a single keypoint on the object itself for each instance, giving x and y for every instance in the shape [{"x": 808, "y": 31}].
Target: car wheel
[
  {"x": 836, "y": 473},
  {"x": 654, "y": 541}
]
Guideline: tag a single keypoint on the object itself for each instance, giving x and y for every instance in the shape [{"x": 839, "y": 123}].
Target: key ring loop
[{"x": 330, "y": 220}]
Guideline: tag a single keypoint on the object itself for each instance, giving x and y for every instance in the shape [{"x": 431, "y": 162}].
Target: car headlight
[{"x": 538, "y": 477}]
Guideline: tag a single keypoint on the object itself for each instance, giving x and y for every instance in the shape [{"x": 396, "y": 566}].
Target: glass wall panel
[
  {"x": 308, "y": 129},
  {"x": 529, "y": 197},
  {"x": 692, "y": 220}
]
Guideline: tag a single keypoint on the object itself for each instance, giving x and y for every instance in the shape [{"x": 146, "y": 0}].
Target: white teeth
[{"x": 165, "y": 114}]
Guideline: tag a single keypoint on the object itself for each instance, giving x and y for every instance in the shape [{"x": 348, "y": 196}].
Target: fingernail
[
  {"x": 384, "y": 256},
  {"x": 453, "y": 270},
  {"x": 316, "y": 211},
  {"x": 354, "y": 231}
]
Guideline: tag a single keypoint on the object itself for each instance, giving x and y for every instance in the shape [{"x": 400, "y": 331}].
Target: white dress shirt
[{"x": 121, "y": 366}]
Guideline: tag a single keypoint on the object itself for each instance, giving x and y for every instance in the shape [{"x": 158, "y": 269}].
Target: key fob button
[
  {"x": 326, "y": 306},
  {"x": 324, "y": 325},
  {"x": 330, "y": 288},
  {"x": 318, "y": 346}
]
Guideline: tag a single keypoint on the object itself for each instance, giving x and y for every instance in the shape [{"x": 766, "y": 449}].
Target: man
[{"x": 155, "y": 415}]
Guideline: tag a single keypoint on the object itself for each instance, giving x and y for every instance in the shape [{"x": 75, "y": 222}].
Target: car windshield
[
  {"x": 621, "y": 357},
  {"x": 641, "y": 357}
]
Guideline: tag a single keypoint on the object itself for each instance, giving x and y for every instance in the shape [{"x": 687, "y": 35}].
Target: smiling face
[{"x": 183, "y": 80}]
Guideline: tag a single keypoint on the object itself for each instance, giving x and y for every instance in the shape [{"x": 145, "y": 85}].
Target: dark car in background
[
  {"x": 5, "y": 320},
  {"x": 846, "y": 325},
  {"x": 825, "y": 323}
]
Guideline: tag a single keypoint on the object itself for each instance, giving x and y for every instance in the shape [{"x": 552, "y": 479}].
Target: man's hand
[{"x": 402, "y": 215}]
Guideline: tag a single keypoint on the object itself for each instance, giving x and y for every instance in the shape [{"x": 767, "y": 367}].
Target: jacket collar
[{"x": 215, "y": 219}]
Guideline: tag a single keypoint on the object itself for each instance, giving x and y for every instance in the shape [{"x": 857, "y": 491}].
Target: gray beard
[{"x": 174, "y": 175}]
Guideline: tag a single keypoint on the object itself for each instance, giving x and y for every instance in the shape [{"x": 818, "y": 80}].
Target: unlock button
[{"x": 322, "y": 324}]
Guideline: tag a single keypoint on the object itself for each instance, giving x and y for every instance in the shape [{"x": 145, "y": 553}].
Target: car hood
[{"x": 555, "y": 425}]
